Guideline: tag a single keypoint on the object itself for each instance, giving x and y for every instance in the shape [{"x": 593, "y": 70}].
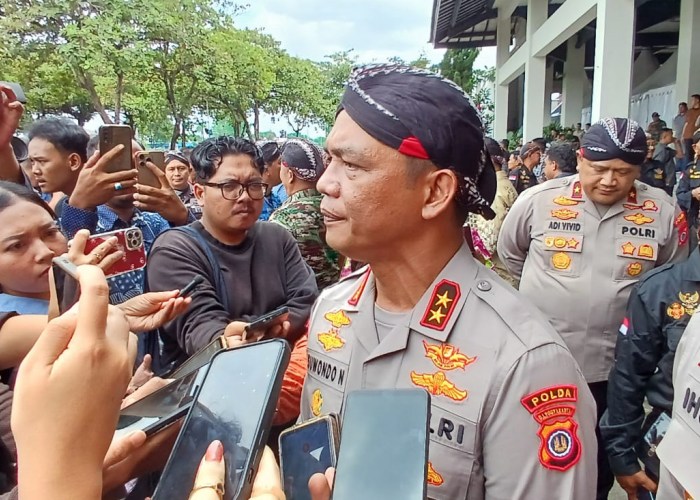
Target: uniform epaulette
[
  {"x": 354, "y": 274},
  {"x": 346, "y": 286}
]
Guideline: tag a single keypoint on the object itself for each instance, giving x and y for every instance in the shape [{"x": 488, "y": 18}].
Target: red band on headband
[{"x": 411, "y": 146}]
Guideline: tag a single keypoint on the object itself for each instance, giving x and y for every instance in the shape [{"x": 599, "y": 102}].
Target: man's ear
[
  {"x": 75, "y": 161},
  {"x": 199, "y": 193},
  {"x": 440, "y": 190}
]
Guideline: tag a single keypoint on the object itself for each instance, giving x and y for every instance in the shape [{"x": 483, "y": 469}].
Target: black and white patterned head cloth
[
  {"x": 303, "y": 157},
  {"x": 423, "y": 115},
  {"x": 615, "y": 139}
]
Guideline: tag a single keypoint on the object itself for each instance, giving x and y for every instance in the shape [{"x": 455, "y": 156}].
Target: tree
[
  {"x": 335, "y": 70},
  {"x": 457, "y": 65}
]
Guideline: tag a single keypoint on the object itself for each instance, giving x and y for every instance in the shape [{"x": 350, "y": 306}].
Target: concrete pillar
[
  {"x": 614, "y": 53},
  {"x": 688, "y": 74},
  {"x": 535, "y": 74},
  {"x": 548, "y": 89},
  {"x": 573, "y": 84},
  {"x": 503, "y": 39}
]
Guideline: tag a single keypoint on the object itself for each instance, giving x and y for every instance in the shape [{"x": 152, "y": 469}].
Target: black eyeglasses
[{"x": 232, "y": 190}]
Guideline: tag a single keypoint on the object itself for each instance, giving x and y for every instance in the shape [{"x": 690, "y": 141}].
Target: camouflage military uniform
[{"x": 301, "y": 215}]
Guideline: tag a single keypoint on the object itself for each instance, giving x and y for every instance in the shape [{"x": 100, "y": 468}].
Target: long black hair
[{"x": 11, "y": 193}]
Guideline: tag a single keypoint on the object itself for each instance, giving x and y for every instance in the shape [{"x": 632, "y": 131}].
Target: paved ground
[{"x": 617, "y": 493}]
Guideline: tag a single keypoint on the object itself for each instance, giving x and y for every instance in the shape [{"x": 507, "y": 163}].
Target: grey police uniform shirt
[
  {"x": 512, "y": 415},
  {"x": 679, "y": 450},
  {"x": 579, "y": 267}
]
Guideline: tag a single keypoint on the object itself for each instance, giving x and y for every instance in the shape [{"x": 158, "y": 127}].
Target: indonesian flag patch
[{"x": 624, "y": 326}]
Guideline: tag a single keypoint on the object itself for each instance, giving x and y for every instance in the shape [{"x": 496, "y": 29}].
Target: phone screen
[
  {"x": 171, "y": 400},
  {"x": 304, "y": 452},
  {"x": 198, "y": 359},
  {"x": 235, "y": 405},
  {"x": 67, "y": 289},
  {"x": 384, "y": 446}
]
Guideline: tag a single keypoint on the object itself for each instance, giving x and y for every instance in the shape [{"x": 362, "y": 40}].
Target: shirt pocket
[
  {"x": 563, "y": 253},
  {"x": 452, "y": 464},
  {"x": 634, "y": 257}
]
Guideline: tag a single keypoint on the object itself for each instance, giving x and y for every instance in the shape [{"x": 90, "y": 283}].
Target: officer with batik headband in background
[
  {"x": 177, "y": 171},
  {"x": 586, "y": 240},
  {"x": 658, "y": 312},
  {"x": 407, "y": 167}
]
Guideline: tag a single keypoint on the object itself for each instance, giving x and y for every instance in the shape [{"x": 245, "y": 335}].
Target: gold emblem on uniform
[
  {"x": 638, "y": 219},
  {"x": 331, "y": 340},
  {"x": 573, "y": 243},
  {"x": 338, "y": 318},
  {"x": 551, "y": 241},
  {"x": 564, "y": 214},
  {"x": 316, "y": 402},
  {"x": 646, "y": 251},
  {"x": 689, "y": 301},
  {"x": 438, "y": 385},
  {"x": 447, "y": 357},
  {"x": 634, "y": 269},
  {"x": 561, "y": 260},
  {"x": 675, "y": 310},
  {"x": 577, "y": 192},
  {"x": 628, "y": 248},
  {"x": 441, "y": 305},
  {"x": 434, "y": 477},
  {"x": 648, "y": 206},
  {"x": 566, "y": 202}
]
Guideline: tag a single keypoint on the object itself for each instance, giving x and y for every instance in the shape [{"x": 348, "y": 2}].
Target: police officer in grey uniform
[
  {"x": 512, "y": 416},
  {"x": 679, "y": 450},
  {"x": 579, "y": 245}
]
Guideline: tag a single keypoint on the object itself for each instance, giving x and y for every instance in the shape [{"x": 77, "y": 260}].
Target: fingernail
[{"x": 215, "y": 452}]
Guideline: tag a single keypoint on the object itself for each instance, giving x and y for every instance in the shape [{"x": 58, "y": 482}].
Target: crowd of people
[{"x": 539, "y": 295}]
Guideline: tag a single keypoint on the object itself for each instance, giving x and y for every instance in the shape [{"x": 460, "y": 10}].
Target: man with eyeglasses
[{"x": 250, "y": 268}]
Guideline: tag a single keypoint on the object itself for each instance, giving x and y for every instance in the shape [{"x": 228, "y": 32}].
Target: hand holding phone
[
  {"x": 130, "y": 243},
  {"x": 147, "y": 176},
  {"x": 265, "y": 324}
]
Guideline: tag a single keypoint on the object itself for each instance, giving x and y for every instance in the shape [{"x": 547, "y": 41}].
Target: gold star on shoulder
[
  {"x": 443, "y": 300},
  {"x": 437, "y": 315}
]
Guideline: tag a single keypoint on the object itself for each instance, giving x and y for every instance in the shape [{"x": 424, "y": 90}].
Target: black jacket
[
  {"x": 522, "y": 178},
  {"x": 658, "y": 311},
  {"x": 690, "y": 179}
]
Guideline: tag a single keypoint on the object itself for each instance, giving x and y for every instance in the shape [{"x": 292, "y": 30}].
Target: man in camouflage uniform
[{"x": 300, "y": 214}]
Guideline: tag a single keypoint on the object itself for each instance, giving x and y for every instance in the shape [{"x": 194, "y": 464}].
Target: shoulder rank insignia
[
  {"x": 561, "y": 260},
  {"x": 316, "y": 402},
  {"x": 438, "y": 385},
  {"x": 566, "y": 202},
  {"x": 689, "y": 301},
  {"x": 564, "y": 214},
  {"x": 331, "y": 340},
  {"x": 638, "y": 219},
  {"x": 358, "y": 293},
  {"x": 338, "y": 318},
  {"x": 446, "y": 357},
  {"x": 442, "y": 304},
  {"x": 634, "y": 269},
  {"x": 434, "y": 477},
  {"x": 648, "y": 206},
  {"x": 675, "y": 310},
  {"x": 560, "y": 447},
  {"x": 577, "y": 191},
  {"x": 681, "y": 224},
  {"x": 632, "y": 195}
]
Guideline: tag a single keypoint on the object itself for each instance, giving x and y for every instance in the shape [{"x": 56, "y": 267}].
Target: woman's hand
[
  {"x": 103, "y": 255},
  {"x": 154, "y": 309},
  {"x": 320, "y": 485},
  {"x": 69, "y": 389}
]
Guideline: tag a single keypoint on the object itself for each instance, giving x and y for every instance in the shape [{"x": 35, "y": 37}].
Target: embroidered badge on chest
[
  {"x": 438, "y": 385},
  {"x": 675, "y": 310},
  {"x": 648, "y": 206},
  {"x": 561, "y": 261},
  {"x": 560, "y": 447},
  {"x": 442, "y": 304},
  {"x": 316, "y": 403},
  {"x": 639, "y": 219},
  {"x": 331, "y": 340},
  {"x": 434, "y": 478},
  {"x": 634, "y": 269},
  {"x": 565, "y": 202},
  {"x": 564, "y": 214},
  {"x": 689, "y": 301},
  {"x": 447, "y": 357}
]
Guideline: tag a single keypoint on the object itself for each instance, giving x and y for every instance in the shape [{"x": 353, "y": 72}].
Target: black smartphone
[
  {"x": 267, "y": 319},
  {"x": 199, "y": 358},
  {"x": 66, "y": 283},
  {"x": 189, "y": 287},
  {"x": 162, "y": 408},
  {"x": 306, "y": 449},
  {"x": 110, "y": 137},
  {"x": 235, "y": 404},
  {"x": 384, "y": 446}
]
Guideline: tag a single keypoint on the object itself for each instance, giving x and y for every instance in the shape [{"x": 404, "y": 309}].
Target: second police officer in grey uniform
[
  {"x": 579, "y": 245},
  {"x": 512, "y": 416}
]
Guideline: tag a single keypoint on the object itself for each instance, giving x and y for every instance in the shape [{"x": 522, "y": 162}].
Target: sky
[{"x": 375, "y": 29}]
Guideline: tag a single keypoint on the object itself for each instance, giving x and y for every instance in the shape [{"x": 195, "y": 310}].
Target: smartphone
[
  {"x": 65, "y": 276},
  {"x": 263, "y": 322},
  {"x": 384, "y": 446},
  {"x": 235, "y": 404},
  {"x": 17, "y": 89},
  {"x": 130, "y": 242},
  {"x": 110, "y": 137},
  {"x": 306, "y": 449},
  {"x": 161, "y": 408},
  {"x": 147, "y": 177},
  {"x": 200, "y": 358}
]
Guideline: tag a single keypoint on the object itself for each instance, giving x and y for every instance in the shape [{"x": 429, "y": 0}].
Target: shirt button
[{"x": 483, "y": 285}]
